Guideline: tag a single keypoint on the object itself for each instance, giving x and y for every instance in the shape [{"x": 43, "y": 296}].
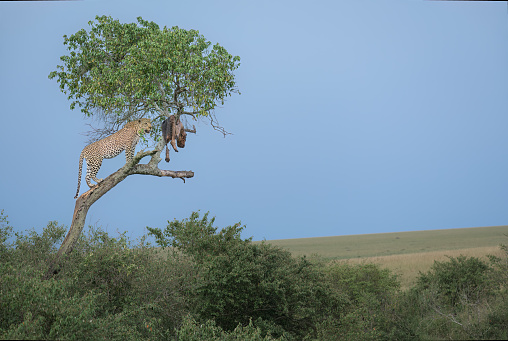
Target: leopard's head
[
  {"x": 145, "y": 124},
  {"x": 140, "y": 125}
]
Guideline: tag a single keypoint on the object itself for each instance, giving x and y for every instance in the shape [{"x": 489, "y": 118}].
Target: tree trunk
[{"x": 86, "y": 200}]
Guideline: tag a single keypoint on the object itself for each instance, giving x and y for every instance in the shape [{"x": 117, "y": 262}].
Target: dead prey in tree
[
  {"x": 109, "y": 147},
  {"x": 173, "y": 132}
]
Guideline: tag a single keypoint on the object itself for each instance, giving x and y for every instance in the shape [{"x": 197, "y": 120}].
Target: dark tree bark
[{"x": 86, "y": 200}]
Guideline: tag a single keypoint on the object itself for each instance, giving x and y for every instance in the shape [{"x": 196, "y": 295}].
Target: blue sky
[{"x": 355, "y": 117}]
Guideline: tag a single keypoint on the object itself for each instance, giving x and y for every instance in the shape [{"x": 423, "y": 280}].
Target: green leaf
[{"x": 115, "y": 68}]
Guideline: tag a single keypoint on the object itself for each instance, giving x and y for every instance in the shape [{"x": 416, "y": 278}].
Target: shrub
[
  {"x": 135, "y": 281},
  {"x": 5, "y": 234},
  {"x": 194, "y": 331},
  {"x": 367, "y": 293},
  {"x": 108, "y": 289},
  {"x": 451, "y": 301},
  {"x": 212, "y": 284},
  {"x": 106, "y": 265},
  {"x": 498, "y": 315},
  {"x": 461, "y": 278},
  {"x": 241, "y": 281}
]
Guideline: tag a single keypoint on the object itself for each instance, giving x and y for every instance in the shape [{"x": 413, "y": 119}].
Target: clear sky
[{"x": 355, "y": 117}]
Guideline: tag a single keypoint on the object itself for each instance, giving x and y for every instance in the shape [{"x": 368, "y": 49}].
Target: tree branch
[
  {"x": 85, "y": 201},
  {"x": 216, "y": 126},
  {"x": 193, "y": 130},
  {"x": 164, "y": 112},
  {"x": 148, "y": 170},
  {"x": 451, "y": 317}
]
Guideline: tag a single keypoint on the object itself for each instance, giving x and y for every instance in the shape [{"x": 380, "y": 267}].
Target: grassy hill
[
  {"x": 406, "y": 253},
  {"x": 385, "y": 244}
]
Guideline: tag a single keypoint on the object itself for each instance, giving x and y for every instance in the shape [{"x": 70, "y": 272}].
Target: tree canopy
[{"x": 119, "y": 72}]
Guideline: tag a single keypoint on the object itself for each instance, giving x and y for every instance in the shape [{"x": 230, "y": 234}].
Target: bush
[
  {"x": 241, "y": 281},
  {"x": 135, "y": 281},
  {"x": 452, "y": 300},
  {"x": 108, "y": 288},
  {"x": 106, "y": 265},
  {"x": 212, "y": 284},
  {"x": 5, "y": 234},
  {"x": 194, "y": 331},
  {"x": 459, "y": 279},
  {"x": 498, "y": 315},
  {"x": 367, "y": 293}
]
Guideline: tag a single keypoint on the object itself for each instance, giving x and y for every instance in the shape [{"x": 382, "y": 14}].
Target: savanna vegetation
[
  {"x": 405, "y": 253},
  {"x": 199, "y": 282},
  {"x": 395, "y": 243},
  {"x": 206, "y": 283}
]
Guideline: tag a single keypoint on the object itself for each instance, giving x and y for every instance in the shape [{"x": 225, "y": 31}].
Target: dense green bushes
[
  {"x": 241, "y": 281},
  {"x": 463, "y": 298},
  {"x": 367, "y": 294},
  {"x": 106, "y": 289},
  {"x": 460, "y": 278},
  {"x": 210, "y": 284}
]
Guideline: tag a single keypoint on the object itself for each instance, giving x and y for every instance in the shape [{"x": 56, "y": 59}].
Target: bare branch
[
  {"x": 215, "y": 125},
  {"x": 147, "y": 170},
  {"x": 451, "y": 317},
  {"x": 112, "y": 122},
  {"x": 213, "y": 121},
  {"x": 95, "y": 134},
  {"x": 193, "y": 130},
  {"x": 190, "y": 113}
]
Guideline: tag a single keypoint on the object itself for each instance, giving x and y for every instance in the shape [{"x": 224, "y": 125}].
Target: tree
[{"x": 120, "y": 72}]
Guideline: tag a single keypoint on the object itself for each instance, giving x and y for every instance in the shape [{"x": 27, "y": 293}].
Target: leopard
[{"x": 109, "y": 147}]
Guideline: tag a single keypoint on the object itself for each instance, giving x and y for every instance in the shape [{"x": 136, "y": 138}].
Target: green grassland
[
  {"x": 407, "y": 254},
  {"x": 397, "y": 243}
]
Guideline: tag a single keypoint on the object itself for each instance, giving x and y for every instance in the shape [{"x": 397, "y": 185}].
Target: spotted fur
[{"x": 109, "y": 147}]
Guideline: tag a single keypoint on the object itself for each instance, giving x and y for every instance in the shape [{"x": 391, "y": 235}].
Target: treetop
[{"x": 118, "y": 72}]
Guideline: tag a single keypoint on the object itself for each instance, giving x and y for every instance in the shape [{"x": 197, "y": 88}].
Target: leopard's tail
[{"x": 79, "y": 174}]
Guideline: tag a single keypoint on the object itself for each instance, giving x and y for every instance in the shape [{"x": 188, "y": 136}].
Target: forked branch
[{"x": 85, "y": 201}]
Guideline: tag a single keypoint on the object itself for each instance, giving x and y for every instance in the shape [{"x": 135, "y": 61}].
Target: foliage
[
  {"x": 497, "y": 328},
  {"x": 197, "y": 237},
  {"x": 499, "y": 272},
  {"x": 34, "y": 247},
  {"x": 241, "y": 281},
  {"x": 368, "y": 293},
  {"x": 126, "y": 71},
  {"x": 134, "y": 280},
  {"x": 457, "y": 299},
  {"x": 193, "y": 331},
  {"x": 498, "y": 314},
  {"x": 5, "y": 234},
  {"x": 360, "y": 280},
  {"x": 210, "y": 284},
  {"x": 459, "y": 278},
  {"x": 107, "y": 287}
]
